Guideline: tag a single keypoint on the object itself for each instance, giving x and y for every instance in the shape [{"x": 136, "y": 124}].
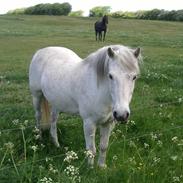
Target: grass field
[{"x": 149, "y": 149}]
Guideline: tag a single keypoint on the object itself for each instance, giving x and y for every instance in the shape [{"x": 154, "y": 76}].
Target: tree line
[
  {"x": 154, "y": 14},
  {"x": 45, "y": 9},
  {"x": 98, "y": 11}
]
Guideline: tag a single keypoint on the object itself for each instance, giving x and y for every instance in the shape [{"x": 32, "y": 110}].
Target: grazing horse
[
  {"x": 101, "y": 26},
  {"x": 98, "y": 88}
]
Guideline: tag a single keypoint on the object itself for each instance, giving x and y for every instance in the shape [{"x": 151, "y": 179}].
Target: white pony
[{"x": 98, "y": 88}]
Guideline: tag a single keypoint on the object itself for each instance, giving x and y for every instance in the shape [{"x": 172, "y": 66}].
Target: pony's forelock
[{"x": 100, "y": 60}]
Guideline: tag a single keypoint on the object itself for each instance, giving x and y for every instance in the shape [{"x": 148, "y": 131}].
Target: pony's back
[{"x": 43, "y": 58}]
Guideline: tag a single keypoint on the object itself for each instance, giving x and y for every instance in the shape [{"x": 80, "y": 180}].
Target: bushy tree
[
  {"x": 66, "y": 7},
  {"x": 179, "y": 15},
  {"x": 167, "y": 15},
  {"x": 49, "y": 9},
  {"x": 151, "y": 14},
  {"x": 122, "y": 14},
  {"x": 99, "y": 11},
  {"x": 78, "y": 13},
  {"x": 18, "y": 11}
]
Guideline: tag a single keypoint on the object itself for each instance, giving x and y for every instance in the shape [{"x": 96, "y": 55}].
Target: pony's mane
[{"x": 100, "y": 59}]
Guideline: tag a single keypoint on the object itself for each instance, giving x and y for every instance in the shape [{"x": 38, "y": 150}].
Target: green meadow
[{"x": 149, "y": 149}]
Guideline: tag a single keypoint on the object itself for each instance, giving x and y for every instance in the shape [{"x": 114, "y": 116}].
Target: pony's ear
[
  {"x": 110, "y": 52},
  {"x": 137, "y": 52}
]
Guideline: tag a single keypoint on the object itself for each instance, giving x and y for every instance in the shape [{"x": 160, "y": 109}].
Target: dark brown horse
[{"x": 101, "y": 26}]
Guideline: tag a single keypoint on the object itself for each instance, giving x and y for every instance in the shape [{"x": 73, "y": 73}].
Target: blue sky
[{"x": 86, "y": 5}]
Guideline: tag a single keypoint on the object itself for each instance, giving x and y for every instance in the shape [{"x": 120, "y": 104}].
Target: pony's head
[
  {"x": 105, "y": 19},
  {"x": 120, "y": 68}
]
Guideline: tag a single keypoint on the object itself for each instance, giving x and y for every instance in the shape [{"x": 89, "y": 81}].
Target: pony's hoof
[
  {"x": 56, "y": 144},
  {"x": 102, "y": 166},
  {"x": 91, "y": 166}
]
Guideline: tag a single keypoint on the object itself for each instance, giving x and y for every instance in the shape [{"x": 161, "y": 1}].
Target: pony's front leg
[
  {"x": 105, "y": 131},
  {"x": 89, "y": 132},
  {"x": 104, "y": 35},
  {"x": 96, "y": 35},
  {"x": 100, "y": 36},
  {"x": 53, "y": 128}
]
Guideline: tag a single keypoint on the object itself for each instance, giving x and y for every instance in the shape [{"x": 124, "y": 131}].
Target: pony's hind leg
[
  {"x": 37, "y": 97},
  {"x": 53, "y": 129}
]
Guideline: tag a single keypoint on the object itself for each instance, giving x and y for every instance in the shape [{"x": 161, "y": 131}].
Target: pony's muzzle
[{"x": 121, "y": 118}]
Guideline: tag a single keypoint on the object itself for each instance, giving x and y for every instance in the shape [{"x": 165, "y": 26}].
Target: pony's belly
[
  {"x": 70, "y": 107},
  {"x": 66, "y": 105}
]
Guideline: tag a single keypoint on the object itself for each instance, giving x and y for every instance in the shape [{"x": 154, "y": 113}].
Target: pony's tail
[{"x": 45, "y": 109}]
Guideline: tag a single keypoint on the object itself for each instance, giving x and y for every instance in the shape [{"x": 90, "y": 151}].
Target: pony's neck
[{"x": 104, "y": 20}]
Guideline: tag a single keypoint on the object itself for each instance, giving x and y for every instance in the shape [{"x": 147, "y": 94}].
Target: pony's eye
[
  {"x": 110, "y": 76},
  {"x": 134, "y": 77}
]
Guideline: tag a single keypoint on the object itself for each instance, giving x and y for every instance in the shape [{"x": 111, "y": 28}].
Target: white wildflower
[
  {"x": 154, "y": 136},
  {"x": 118, "y": 131},
  {"x": 132, "y": 122},
  {"x": 73, "y": 173},
  {"x": 175, "y": 139},
  {"x": 159, "y": 143},
  {"x": 115, "y": 158},
  {"x": 89, "y": 154},
  {"x": 9, "y": 146},
  {"x": 180, "y": 100},
  {"x": 2, "y": 77},
  {"x": 140, "y": 166},
  {"x": 156, "y": 160},
  {"x": 26, "y": 122},
  {"x": 174, "y": 158},
  {"x": 42, "y": 145},
  {"x": 22, "y": 127},
  {"x": 146, "y": 145},
  {"x": 15, "y": 122},
  {"x": 34, "y": 148},
  {"x": 52, "y": 169},
  {"x": 46, "y": 180},
  {"x": 36, "y": 130},
  {"x": 36, "y": 137},
  {"x": 48, "y": 159},
  {"x": 66, "y": 148},
  {"x": 70, "y": 155},
  {"x": 132, "y": 144},
  {"x": 176, "y": 179},
  {"x": 132, "y": 160}
]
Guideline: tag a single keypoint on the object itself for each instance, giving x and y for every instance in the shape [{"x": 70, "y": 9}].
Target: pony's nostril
[
  {"x": 123, "y": 117},
  {"x": 115, "y": 114},
  {"x": 127, "y": 115}
]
